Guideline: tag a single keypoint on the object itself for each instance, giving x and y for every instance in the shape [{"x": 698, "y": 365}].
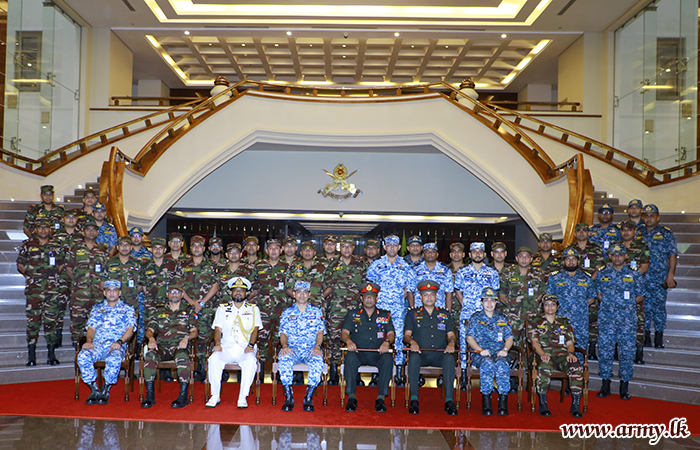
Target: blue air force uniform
[
  {"x": 604, "y": 237},
  {"x": 573, "y": 292},
  {"x": 110, "y": 324},
  {"x": 617, "y": 318},
  {"x": 662, "y": 244},
  {"x": 491, "y": 334},
  {"x": 393, "y": 278},
  {"x": 440, "y": 274},
  {"x": 301, "y": 329}
]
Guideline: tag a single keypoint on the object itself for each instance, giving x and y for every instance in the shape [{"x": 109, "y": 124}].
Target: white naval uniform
[{"x": 234, "y": 341}]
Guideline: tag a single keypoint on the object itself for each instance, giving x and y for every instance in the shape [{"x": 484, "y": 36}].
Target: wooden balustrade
[
  {"x": 161, "y": 100},
  {"x": 573, "y": 106}
]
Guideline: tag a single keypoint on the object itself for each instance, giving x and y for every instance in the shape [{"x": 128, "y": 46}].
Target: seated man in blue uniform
[
  {"x": 490, "y": 336},
  {"x": 430, "y": 327},
  {"x": 109, "y": 328},
  {"x": 301, "y": 335},
  {"x": 368, "y": 328}
]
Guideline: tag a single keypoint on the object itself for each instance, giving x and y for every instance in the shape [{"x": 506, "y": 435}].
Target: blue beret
[
  {"x": 391, "y": 239},
  {"x": 113, "y": 284}
]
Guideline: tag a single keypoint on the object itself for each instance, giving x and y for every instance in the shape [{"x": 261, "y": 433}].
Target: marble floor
[{"x": 52, "y": 433}]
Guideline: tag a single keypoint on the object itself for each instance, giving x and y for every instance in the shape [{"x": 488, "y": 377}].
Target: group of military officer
[{"x": 599, "y": 290}]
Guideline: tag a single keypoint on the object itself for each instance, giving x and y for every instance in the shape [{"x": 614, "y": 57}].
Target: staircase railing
[
  {"x": 111, "y": 183},
  {"x": 58, "y": 158},
  {"x": 640, "y": 170}
]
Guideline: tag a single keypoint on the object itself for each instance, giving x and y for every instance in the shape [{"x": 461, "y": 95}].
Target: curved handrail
[
  {"x": 580, "y": 197},
  {"x": 111, "y": 190},
  {"x": 630, "y": 165},
  {"x": 56, "y": 159}
]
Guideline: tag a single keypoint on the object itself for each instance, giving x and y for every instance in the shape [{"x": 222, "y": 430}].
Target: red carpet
[{"x": 55, "y": 399}]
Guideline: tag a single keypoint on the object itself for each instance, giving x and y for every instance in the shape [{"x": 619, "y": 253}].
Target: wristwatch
[
  {"x": 251, "y": 345},
  {"x": 120, "y": 342}
]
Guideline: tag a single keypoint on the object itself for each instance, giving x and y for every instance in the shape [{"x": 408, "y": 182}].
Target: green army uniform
[
  {"x": 170, "y": 326},
  {"x": 553, "y": 337},
  {"x": 182, "y": 258},
  {"x": 87, "y": 265},
  {"x": 637, "y": 254},
  {"x": 325, "y": 260},
  {"x": 346, "y": 280},
  {"x": 271, "y": 301},
  {"x": 41, "y": 270},
  {"x": 546, "y": 266},
  {"x": 314, "y": 275},
  {"x": 67, "y": 241},
  {"x": 197, "y": 281},
  {"x": 129, "y": 274},
  {"x": 523, "y": 295},
  {"x": 244, "y": 270},
  {"x": 39, "y": 211},
  {"x": 155, "y": 279},
  {"x": 456, "y": 305},
  {"x": 590, "y": 260}
]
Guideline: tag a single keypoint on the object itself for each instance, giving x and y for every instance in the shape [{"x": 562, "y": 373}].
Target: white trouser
[{"x": 232, "y": 354}]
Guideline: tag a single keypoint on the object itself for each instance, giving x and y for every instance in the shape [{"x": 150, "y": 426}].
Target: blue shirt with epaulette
[
  {"x": 440, "y": 274},
  {"x": 600, "y": 236},
  {"x": 110, "y": 322},
  {"x": 662, "y": 244},
  {"x": 107, "y": 234},
  {"x": 619, "y": 290},
  {"x": 472, "y": 282},
  {"x": 301, "y": 327},
  {"x": 490, "y": 333},
  {"x": 392, "y": 278}
]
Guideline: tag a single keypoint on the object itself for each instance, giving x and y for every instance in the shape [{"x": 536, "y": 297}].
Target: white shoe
[
  {"x": 213, "y": 402},
  {"x": 242, "y": 403}
]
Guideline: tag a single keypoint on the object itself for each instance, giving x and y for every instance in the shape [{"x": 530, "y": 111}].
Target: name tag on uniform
[
  {"x": 52, "y": 261},
  {"x": 280, "y": 286},
  {"x": 56, "y": 226},
  {"x": 561, "y": 339},
  {"x": 633, "y": 264},
  {"x": 380, "y": 335},
  {"x": 587, "y": 263},
  {"x": 530, "y": 292},
  {"x": 98, "y": 268},
  {"x": 626, "y": 295},
  {"x": 131, "y": 283},
  {"x": 606, "y": 244},
  {"x": 441, "y": 326},
  {"x": 500, "y": 336}
]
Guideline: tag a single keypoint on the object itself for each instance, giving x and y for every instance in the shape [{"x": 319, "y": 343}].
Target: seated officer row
[{"x": 367, "y": 332}]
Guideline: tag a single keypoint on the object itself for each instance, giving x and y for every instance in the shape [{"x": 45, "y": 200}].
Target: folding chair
[
  {"x": 233, "y": 367},
  {"x": 301, "y": 368},
  {"x": 169, "y": 365},
  {"x": 127, "y": 365},
  {"x": 433, "y": 371},
  {"x": 365, "y": 369}
]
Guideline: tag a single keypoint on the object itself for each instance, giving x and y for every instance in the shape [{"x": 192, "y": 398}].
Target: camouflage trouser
[
  {"x": 640, "y": 323},
  {"x": 593, "y": 321},
  {"x": 64, "y": 295},
  {"x": 42, "y": 306},
  {"x": 81, "y": 304},
  {"x": 204, "y": 321},
  {"x": 271, "y": 308},
  {"x": 166, "y": 353},
  {"x": 336, "y": 310},
  {"x": 558, "y": 362},
  {"x": 518, "y": 326}
]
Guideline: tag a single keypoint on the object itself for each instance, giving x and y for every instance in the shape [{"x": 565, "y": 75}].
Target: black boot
[
  {"x": 104, "y": 395},
  {"x": 440, "y": 381},
  {"x": 486, "y": 409},
  {"x": 94, "y": 394},
  {"x": 360, "y": 382},
  {"x": 544, "y": 410},
  {"x": 513, "y": 385},
  {"x": 575, "y": 406},
  {"x": 659, "y": 339},
  {"x": 333, "y": 378},
  {"x": 288, "y": 399},
  {"x": 592, "y": 355},
  {"x": 624, "y": 390},
  {"x": 502, "y": 404},
  {"x": 616, "y": 355},
  {"x": 463, "y": 383},
  {"x": 604, "y": 389},
  {"x": 309, "y": 398},
  {"x": 51, "y": 358},
  {"x": 639, "y": 356},
  {"x": 59, "y": 337},
  {"x": 150, "y": 399},
  {"x": 181, "y": 401},
  {"x": 374, "y": 381},
  {"x": 450, "y": 408},
  {"x": 166, "y": 375},
  {"x": 31, "y": 358},
  {"x": 567, "y": 389},
  {"x": 399, "y": 379},
  {"x": 414, "y": 407},
  {"x": 647, "y": 338},
  {"x": 421, "y": 381}
]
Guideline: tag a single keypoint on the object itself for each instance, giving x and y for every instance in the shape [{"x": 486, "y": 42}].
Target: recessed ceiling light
[
  {"x": 413, "y": 46},
  {"x": 289, "y": 33},
  {"x": 504, "y": 35},
  {"x": 447, "y": 46},
  {"x": 311, "y": 45},
  {"x": 210, "y": 44},
  {"x": 242, "y": 45},
  {"x": 277, "y": 45},
  {"x": 187, "y": 33},
  {"x": 397, "y": 34},
  {"x": 344, "y": 45},
  {"x": 343, "y": 56}
]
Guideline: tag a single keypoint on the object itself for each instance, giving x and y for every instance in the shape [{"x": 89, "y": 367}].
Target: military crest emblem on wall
[{"x": 339, "y": 189}]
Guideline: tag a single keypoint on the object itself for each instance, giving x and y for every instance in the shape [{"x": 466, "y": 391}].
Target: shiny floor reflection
[{"x": 81, "y": 434}]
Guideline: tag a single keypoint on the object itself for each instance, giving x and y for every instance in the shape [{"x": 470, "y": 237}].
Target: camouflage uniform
[
  {"x": 604, "y": 237},
  {"x": 441, "y": 274},
  {"x": 39, "y": 211},
  {"x": 223, "y": 275},
  {"x": 155, "y": 279},
  {"x": 271, "y": 301},
  {"x": 87, "y": 265},
  {"x": 456, "y": 306},
  {"x": 491, "y": 333},
  {"x": 553, "y": 337},
  {"x": 41, "y": 265},
  {"x": 591, "y": 259},
  {"x": 326, "y": 261},
  {"x": 346, "y": 280},
  {"x": 67, "y": 241},
  {"x": 143, "y": 255},
  {"x": 197, "y": 281},
  {"x": 171, "y": 327},
  {"x": 301, "y": 329},
  {"x": 180, "y": 259},
  {"x": 314, "y": 275},
  {"x": 662, "y": 244},
  {"x": 129, "y": 274},
  {"x": 546, "y": 266},
  {"x": 573, "y": 293},
  {"x": 107, "y": 234},
  {"x": 637, "y": 254},
  {"x": 523, "y": 296}
]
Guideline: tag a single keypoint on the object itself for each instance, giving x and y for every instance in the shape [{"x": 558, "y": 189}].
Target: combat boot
[
  {"x": 624, "y": 390},
  {"x": 604, "y": 389},
  {"x": 150, "y": 399},
  {"x": 360, "y": 381},
  {"x": 659, "y": 339},
  {"x": 51, "y": 358},
  {"x": 463, "y": 382},
  {"x": 373, "y": 382},
  {"x": 288, "y": 399},
  {"x": 104, "y": 395},
  {"x": 181, "y": 401},
  {"x": 59, "y": 337},
  {"x": 575, "y": 406},
  {"x": 486, "y": 409},
  {"x": 333, "y": 378},
  {"x": 544, "y": 409},
  {"x": 94, "y": 394},
  {"x": 399, "y": 379},
  {"x": 592, "y": 355},
  {"x": 31, "y": 357},
  {"x": 309, "y": 398},
  {"x": 502, "y": 404},
  {"x": 647, "y": 338},
  {"x": 639, "y": 356}
]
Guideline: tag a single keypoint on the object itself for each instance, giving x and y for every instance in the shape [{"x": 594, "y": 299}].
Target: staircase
[
  {"x": 670, "y": 373},
  {"x": 13, "y": 322}
]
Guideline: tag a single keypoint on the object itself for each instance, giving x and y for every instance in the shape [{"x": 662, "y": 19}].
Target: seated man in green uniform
[
  {"x": 552, "y": 338},
  {"x": 175, "y": 327},
  {"x": 430, "y": 327},
  {"x": 368, "y": 328}
]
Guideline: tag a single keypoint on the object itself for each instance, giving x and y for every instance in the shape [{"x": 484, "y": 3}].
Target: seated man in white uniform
[{"x": 236, "y": 326}]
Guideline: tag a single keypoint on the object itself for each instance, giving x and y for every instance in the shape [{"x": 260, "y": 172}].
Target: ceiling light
[
  {"x": 187, "y": 33},
  {"x": 277, "y": 45},
  {"x": 413, "y": 46},
  {"x": 447, "y": 46},
  {"x": 344, "y": 45},
  {"x": 344, "y": 56},
  {"x": 504, "y": 35},
  {"x": 242, "y": 45},
  {"x": 210, "y": 44},
  {"x": 668, "y": 70},
  {"x": 30, "y": 64},
  {"x": 397, "y": 34},
  {"x": 311, "y": 45},
  {"x": 289, "y": 33},
  {"x": 540, "y": 46}
]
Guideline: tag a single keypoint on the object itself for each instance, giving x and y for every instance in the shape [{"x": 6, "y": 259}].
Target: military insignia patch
[{"x": 339, "y": 189}]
